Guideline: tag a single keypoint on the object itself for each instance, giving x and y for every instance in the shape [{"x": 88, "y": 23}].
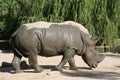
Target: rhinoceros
[{"x": 65, "y": 39}]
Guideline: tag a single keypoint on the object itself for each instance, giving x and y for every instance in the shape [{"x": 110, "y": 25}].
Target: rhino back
[
  {"x": 43, "y": 24},
  {"x": 58, "y": 38}
]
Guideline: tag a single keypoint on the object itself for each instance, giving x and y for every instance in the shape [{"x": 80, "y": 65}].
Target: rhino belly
[{"x": 49, "y": 52}]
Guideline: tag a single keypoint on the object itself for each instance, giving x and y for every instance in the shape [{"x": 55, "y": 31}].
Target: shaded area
[
  {"x": 94, "y": 74},
  {"x": 7, "y": 67},
  {"x": 82, "y": 72},
  {"x": 5, "y": 46},
  {"x": 113, "y": 55},
  {"x": 118, "y": 66}
]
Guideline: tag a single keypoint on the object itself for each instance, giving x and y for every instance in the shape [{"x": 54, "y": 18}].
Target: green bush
[{"x": 100, "y": 17}]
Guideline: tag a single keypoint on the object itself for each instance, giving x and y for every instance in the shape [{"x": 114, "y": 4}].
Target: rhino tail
[
  {"x": 12, "y": 44},
  {"x": 13, "y": 36}
]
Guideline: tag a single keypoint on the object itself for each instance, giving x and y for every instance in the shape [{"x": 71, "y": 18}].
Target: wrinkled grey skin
[{"x": 65, "y": 40}]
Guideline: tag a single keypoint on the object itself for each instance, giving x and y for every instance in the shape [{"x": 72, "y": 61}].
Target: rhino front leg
[
  {"x": 33, "y": 61},
  {"x": 72, "y": 63},
  {"x": 16, "y": 63},
  {"x": 66, "y": 56}
]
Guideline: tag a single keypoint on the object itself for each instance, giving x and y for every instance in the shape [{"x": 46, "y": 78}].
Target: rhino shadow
[
  {"x": 94, "y": 74},
  {"x": 7, "y": 67},
  {"x": 118, "y": 66}
]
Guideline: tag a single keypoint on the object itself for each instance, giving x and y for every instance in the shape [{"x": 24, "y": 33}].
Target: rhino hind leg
[
  {"x": 34, "y": 63},
  {"x": 16, "y": 63},
  {"x": 69, "y": 53},
  {"x": 72, "y": 64}
]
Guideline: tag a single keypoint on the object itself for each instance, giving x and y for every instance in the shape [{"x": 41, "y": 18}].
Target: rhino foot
[
  {"x": 39, "y": 71},
  {"x": 18, "y": 71},
  {"x": 73, "y": 68},
  {"x": 59, "y": 69}
]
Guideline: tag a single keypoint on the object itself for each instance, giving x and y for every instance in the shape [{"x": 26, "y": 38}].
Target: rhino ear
[{"x": 101, "y": 57}]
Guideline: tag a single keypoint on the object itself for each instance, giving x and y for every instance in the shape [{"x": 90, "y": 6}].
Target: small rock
[{"x": 47, "y": 74}]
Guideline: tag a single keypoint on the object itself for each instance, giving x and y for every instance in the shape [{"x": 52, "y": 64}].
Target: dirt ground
[{"x": 108, "y": 69}]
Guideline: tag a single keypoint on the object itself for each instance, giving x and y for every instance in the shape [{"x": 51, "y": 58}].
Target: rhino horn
[{"x": 101, "y": 57}]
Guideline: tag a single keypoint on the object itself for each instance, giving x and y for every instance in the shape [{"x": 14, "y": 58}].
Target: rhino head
[{"x": 91, "y": 57}]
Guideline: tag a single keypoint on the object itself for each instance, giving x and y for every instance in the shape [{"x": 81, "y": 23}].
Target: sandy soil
[{"x": 109, "y": 69}]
